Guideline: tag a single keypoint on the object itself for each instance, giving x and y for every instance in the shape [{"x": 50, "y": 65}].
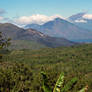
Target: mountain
[
  {"x": 86, "y": 25},
  {"x": 62, "y": 28},
  {"x": 37, "y": 26},
  {"x": 81, "y": 21},
  {"x": 26, "y": 36},
  {"x": 76, "y": 16}
]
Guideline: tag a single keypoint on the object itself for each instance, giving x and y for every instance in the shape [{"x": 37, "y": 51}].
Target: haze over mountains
[
  {"x": 54, "y": 33},
  {"x": 63, "y": 28},
  {"x": 82, "y": 20},
  {"x": 31, "y": 36}
]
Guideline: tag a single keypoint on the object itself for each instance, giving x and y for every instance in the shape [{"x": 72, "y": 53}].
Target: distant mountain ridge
[
  {"x": 76, "y": 16},
  {"x": 62, "y": 28},
  {"x": 80, "y": 21},
  {"x": 31, "y": 35}
]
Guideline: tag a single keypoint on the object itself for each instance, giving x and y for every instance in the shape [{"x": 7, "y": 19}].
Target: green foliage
[
  {"x": 60, "y": 87},
  {"x": 4, "y": 43},
  {"x": 59, "y": 83},
  {"x": 82, "y": 90},
  {"x": 46, "y": 87},
  {"x": 13, "y": 79},
  {"x": 23, "y": 44},
  {"x": 26, "y": 66},
  {"x": 85, "y": 89},
  {"x": 69, "y": 85}
]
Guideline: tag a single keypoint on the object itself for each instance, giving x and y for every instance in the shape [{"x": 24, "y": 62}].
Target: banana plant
[
  {"x": 45, "y": 86},
  {"x": 59, "y": 86},
  {"x": 69, "y": 85},
  {"x": 59, "y": 83}
]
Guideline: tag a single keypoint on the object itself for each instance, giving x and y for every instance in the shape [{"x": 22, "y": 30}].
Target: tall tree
[{"x": 4, "y": 43}]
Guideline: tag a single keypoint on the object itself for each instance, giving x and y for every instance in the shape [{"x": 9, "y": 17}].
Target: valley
[
  {"x": 45, "y": 45},
  {"x": 73, "y": 61}
]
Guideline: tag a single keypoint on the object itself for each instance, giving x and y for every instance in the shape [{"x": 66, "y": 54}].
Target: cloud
[
  {"x": 5, "y": 19},
  {"x": 81, "y": 21},
  {"x": 87, "y": 16},
  {"x": 1, "y": 18},
  {"x": 38, "y": 19},
  {"x": 2, "y": 11}
]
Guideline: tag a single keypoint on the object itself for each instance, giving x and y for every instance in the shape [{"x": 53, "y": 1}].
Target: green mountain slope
[{"x": 23, "y": 44}]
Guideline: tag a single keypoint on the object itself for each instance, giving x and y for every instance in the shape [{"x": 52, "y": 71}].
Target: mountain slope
[
  {"x": 36, "y": 26},
  {"x": 30, "y": 35},
  {"x": 65, "y": 29},
  {"x": 24, "y": 44}
]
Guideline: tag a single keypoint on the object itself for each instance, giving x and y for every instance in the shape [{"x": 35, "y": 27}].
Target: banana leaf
[
  {"x": 69, "y": 85},
  {"x": 59, "y": 83},
  {"x": 45, "y": 86}
]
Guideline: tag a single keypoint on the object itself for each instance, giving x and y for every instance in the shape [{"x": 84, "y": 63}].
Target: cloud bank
[
  {"x": 81, "y": 21},
  {"x": 38, "y": 19},
  {"x": 84, "y": 18},
  {"x": 87, "y": 16}
]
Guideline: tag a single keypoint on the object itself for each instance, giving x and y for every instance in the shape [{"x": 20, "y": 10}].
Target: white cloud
[
  {"x": 81, "y": 21},
  {"x": 87, "y": 16},
  {"x": 38, "y": 19},
  {"x": 1, "y": 18},
  {"x": 56, "y": 16}
]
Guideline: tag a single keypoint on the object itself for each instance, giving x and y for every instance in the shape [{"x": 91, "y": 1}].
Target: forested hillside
[{"x": 20, "y": 70}]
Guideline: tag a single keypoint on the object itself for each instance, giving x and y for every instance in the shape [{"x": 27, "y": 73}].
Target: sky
[{"x": 18, "y": 10}]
